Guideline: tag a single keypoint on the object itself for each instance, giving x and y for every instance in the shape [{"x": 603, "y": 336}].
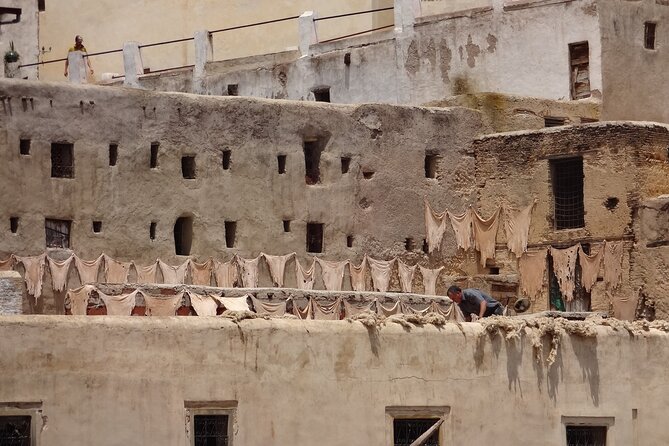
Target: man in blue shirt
[{"x": 475, "y": 301}]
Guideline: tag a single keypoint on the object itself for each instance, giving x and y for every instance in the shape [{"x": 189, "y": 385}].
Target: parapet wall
[{"x": 91, "y": 375}]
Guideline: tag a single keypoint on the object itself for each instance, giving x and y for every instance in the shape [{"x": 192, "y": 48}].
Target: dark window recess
[
  {"x": 24, "y": 147},
  {"x": 408, "y": 244},
  {"x": 62, "y": 160},
  {"x": 281, "y": 160},
  {"x": 188, "y": 167},
  {"x": 552, "y": 121},
  {"x": 154, "y": 155},
  {"x": 431, "y": 164},
  {"x": 57, "y": 233},
  {"x": 233, "y": 89},
  {"x": 286, "y": 226},
  {"x": 349, "y": 241},
  {"x": 210, "y": 430},
  {"x": 579, "y": 63},
  {"x": 367, "y": 174},
  {"x": 113, "y": 154},
  {"x": 14, "y": 224},
  {"x": 41, "y": 5},
  {"x": 152, "y": 230},
  {"x": 230, "y": 233},
  {"x": 568, "y": 192},
  {"x": 494, "y": 270},
  {"x": 345, "y": 164},
  {"x": 347, "y": 59},
  {"x": 426, "y": 248},
  {"x": 586, "y": 435},
  {"x": 97, "y": 226},
  {"x": 405, "y": 432},
  {"x": 15, "y": 430},
  {"x": 225, "y": 157},
  {"x": 649, "y": 35},
  {"x": 314, "y": 237},
  {"x": 312, "y": 161},
  {"x": 322, "y": 94},
  {"x": 183, "y": 235}
]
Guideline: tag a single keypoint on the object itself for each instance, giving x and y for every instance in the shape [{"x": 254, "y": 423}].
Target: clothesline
[
  {"x": 237, "y": 271},
  {"x": 207, "y": 304}
]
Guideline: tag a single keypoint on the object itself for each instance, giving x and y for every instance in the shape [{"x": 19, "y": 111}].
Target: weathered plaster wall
[
  {"x": 380, "y": 212},
  {"x": 24, "y": 35},
  {"x": 297, "y": 383},
  {"x": 650, "y": 260},
  {"x": 521, "y": 172},
  {"x": 631, "y": 72},
  {"x": 507, "y": 113},
  {"x": 521, "y": 50}
]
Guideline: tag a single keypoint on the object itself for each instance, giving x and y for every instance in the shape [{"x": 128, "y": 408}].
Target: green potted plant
[{"x": 11, "y": 56}]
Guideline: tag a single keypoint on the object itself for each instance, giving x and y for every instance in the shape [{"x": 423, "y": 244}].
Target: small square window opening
[
  {"x": 225, "y": 158},
  {"x": 349, "y": 241},
  {"x": 188, "y": 167},
  {"x": 345, "y": 164},
  {"x": 152, "y": 230},
  {"x": 97, "y": 226},
  {"x": 649, "y": 35},
  {"x": 233, "y": 89},
  {"x": 281, "y": 160},
  {"x": 314, "y": 237},
  {"x": 230, "y": 233},
  {"x": 62, "y": 160},
  {"x": 286, "y": 226},
  {"x": 57, "y": 233},
  {"x": 24, "y": 147},
  {"x": 113, "y": 154},
  {"x": 322, "y": 94},
  {"x": 153, "y": 163},
  {"x": 14, "y": 224},
  {"x": 431, "y": 165}
]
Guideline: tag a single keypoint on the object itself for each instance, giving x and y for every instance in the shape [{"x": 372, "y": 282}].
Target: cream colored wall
[
  {"x": 106, "y": 24},
  {"x": 114, "y": 380}
]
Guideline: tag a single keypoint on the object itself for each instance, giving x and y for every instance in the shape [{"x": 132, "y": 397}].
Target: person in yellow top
[{"x": 78, "y": 46}]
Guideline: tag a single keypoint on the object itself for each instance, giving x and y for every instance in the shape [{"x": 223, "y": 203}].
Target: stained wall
[{"x": 300, "y": 382}]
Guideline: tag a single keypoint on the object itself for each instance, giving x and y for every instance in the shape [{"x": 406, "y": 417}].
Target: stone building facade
[{"x": 244, "y": 176}]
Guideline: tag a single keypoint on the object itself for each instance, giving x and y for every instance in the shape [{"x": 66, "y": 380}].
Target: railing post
[
  {"x": 76, "y": 67},
  {"x": 406, "y": 12},
  {"x": 132, "y": 64},
  {"x": 204, "y": 52},
  {"x": 307, "y": 29}
]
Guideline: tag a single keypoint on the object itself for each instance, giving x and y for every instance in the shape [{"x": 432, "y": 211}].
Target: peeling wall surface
[
  {"x": 378, "y": 202},
  {"x": 297, "y": 383},
  {"x": 651, "y": 258},
  {"x": 522, "y": 171},
  {"x": 24, "y": 35},
  {"x": 521, "y": 50}
]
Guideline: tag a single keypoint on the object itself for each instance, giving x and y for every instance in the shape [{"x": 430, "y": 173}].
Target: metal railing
[{"x": 232, "y": 28}]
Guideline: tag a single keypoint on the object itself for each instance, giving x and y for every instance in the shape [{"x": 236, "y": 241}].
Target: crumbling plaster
[
  {"x": 482, "y": 49},
  {"x": 299, "y": 383}
]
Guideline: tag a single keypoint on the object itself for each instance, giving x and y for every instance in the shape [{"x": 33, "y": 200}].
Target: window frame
[
  {"x": 418, "y": 412},
  {"x": 586, "y": 421},
  {"x": 193, "y": 408},
  {"x": 21, "y": 409}
]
